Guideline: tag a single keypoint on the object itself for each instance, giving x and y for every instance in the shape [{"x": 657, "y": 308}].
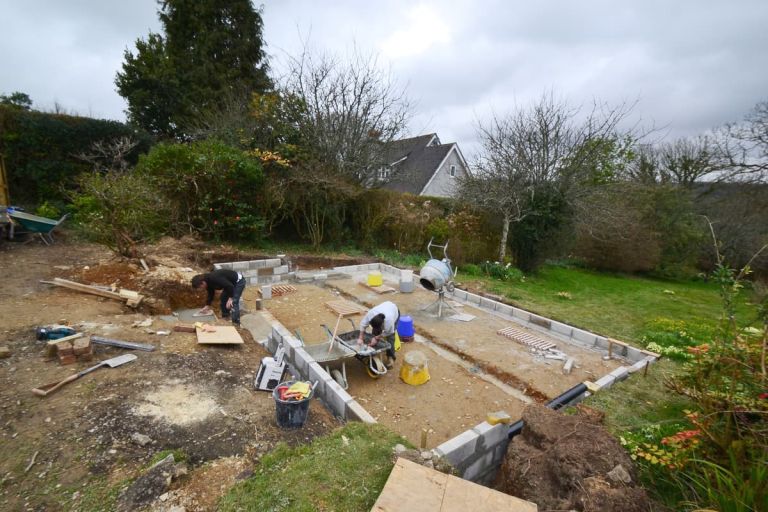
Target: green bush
[
  {"x": 120, "y": 210},
  {"x": 210, "y": 188},
  {"x": 502, "y": 272}
]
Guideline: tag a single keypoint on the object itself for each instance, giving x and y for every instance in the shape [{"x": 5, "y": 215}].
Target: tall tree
[
  {"x": 533, "y": 161},
  {"x": 743, "y": 146},
  {"x": 210, "y": 50}
]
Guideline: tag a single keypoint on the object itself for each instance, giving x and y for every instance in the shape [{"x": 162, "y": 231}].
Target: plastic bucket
[
  {"x": 290, "y": 413},
  {"x": 405, "y": 327}
]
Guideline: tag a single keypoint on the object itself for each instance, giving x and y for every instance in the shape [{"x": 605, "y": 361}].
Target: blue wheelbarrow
[{"x": 35, "y": 224}]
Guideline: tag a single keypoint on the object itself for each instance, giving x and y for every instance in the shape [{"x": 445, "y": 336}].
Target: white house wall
[{"x": 442, "y": 183}]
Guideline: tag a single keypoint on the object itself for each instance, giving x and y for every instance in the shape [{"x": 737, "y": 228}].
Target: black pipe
[{"x": 554, "y": 404}]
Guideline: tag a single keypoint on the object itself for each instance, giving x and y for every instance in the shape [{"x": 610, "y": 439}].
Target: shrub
[
  {"x": 502, "y": 272},
  {"x": 211, "y": 188}
]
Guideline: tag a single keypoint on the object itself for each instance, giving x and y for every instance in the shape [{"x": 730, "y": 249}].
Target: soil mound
[{"x": 563, "y": 462}]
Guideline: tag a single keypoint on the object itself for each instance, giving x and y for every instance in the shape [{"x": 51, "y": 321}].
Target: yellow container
[
  {"x": 375, "y": 279},
  {"x": 414, "y": 370}
]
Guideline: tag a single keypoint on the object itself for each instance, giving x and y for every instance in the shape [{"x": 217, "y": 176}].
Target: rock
[
  {"x": 140, "y": 439},
  {"x": 5, "y": 352},
  {"x": 619, "y": 474},
  {"x": 145, "y": 489},
  {"x": 426, "y": 455},
  {"x": 399, "y": 448}
]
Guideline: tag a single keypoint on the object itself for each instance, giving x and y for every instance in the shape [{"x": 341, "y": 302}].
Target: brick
[
  {"x": 81, "y": 346},
  {"x": 65, "y": 349},
  {"x": 67, "y": 359},
  {"x": 88, "y": 356},
  {"x": 5, "y": 352},
  {"x": 184, "y": 328}
]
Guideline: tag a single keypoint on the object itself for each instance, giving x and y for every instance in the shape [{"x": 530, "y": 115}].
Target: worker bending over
[
  {"x": 230, "y": 283},
  {"x": 383, "y": 321}
]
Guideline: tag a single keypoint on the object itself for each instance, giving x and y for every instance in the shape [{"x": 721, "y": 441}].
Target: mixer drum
[{"x": 435, "y": 274}]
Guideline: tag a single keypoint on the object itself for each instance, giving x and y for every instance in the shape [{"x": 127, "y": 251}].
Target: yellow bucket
[
  {"x": 414, "y": 370},
  {"x": 375, "y": 279}
]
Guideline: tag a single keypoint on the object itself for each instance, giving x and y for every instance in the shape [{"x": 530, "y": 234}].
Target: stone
[
  {"x": 5, "y": 352},
  {"x": 619, "y": 474},
  {"x": 399, "y": 448},
  {"x": 140, "y": 439},
  {"x": 146, "y": 488}
]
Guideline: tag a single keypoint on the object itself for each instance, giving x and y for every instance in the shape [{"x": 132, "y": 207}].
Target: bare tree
[
  {"x": 743, "y": 147},
  {"x": 348, "y": 111},
  {"x": 687, "y": 160},
  {"x": 547, "y": 148},
  {"x": 110, "y": 155}
]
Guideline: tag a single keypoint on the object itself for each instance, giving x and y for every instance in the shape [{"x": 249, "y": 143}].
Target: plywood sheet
[
  {"x": 411, "y": 486},
  {"x": 345, "y": 308},
  {"x": 223, "y": 335},
  {"x": 525, "y": 338},
  {"x": 414, "y": 487},
  {"x": 379, "y": 289}
]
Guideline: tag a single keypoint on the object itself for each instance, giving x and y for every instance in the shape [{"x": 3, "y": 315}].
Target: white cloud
[{"x": 423, "y": 29}]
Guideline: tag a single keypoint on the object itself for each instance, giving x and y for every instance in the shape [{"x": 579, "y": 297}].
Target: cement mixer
[{"x": 437, "y": 276}]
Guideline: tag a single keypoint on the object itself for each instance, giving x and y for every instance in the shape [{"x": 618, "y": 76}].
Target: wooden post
[
  {"x": 610, "y": 348},
  {"x": 645, "y": 370},
  {"x": 423, "y": 444}
]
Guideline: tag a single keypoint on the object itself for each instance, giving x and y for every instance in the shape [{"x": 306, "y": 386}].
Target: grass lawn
[
  {"x": 343, "y": 471},
  {"x": 614, "y": 305}
]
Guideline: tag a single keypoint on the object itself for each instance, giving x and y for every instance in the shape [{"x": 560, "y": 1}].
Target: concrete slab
[
  {"x": 257, "y": 325},
  {"x": 188, "y": 316}
]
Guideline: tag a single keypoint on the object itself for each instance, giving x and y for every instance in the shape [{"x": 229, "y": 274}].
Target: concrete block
[
  {"x": 301, "y": 360},
  {"x": 256, "y": 264},
  {"x": 335, "y": 397},
  {"x": 355, "y": 411},
  {"x": 250, "y": 273},
  {"x": 253, "y": 280},
  {"x": 460, "y": 294},
  {"x": 282, "y": 269},
  {"x": 521, "y": 314},
  {"x": 601, "y": 342},
  {"x": 224, "y": 265},
  {"x": 217, "y": 266},
  {"x": 488, "y": 304},
  {"x": 584, "y": 337},
  {"x": 541, "y": 321},
  {"x": 490, "y": 435},
  {"x": 620, "y": 373},
  {"x": 277, "y": 334},
  {"x": 459, "y": 448},
  {"x": 272, "y": 262},
  {"x": 473, "y": 299},
  {"x": 605, "y": 381},
  {"x": 635, "y": 354},
  {"x": 640, "y": 365},
  {"x": 269, "y": 280},
  {"x": 561, "y": 328},
  {"x": 266, "y": 292},
  {"x": 240, "y": 266},
  {"x": 372, "y": 266},
  {"x": 474, "y": 471},
  {"x": 292, "y": 341},
  {"x": 505, "y": 309}
]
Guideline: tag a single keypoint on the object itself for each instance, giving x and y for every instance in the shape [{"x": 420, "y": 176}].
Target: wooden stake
[
  {"x": 333, "y": 338},
  {"x": 423, "y": 444},
  {"x": 645, "y": 370}
]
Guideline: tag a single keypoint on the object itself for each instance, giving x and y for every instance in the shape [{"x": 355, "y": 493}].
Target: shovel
[{"x": 112, "y": 363}]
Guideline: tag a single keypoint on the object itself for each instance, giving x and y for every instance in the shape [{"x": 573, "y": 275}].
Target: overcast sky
[{"x": 690, "y": 64}]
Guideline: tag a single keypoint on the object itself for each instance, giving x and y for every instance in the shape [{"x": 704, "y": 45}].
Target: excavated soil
[{"x": 562, "y": 462}]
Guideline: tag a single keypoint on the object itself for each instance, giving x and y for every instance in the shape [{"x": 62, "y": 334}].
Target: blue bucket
[{"x": 405, "y": 327}]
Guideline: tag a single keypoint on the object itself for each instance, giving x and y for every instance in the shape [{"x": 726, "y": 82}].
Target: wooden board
[
  {"x": 414, "y": 487},
  {"x": 280, "y": 289},
  {"x": 379, "y": 289},
  {"x": 345, "y": 308},
  {"x": 224, "y": 335},
  {"x": 525, "y": 338}
]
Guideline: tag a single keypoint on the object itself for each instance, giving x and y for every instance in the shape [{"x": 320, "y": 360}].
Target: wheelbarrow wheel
[{"x": 380, "y": 368}]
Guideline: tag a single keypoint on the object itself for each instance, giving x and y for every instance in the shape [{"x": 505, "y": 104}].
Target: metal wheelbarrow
[
  {"x": 373, "y": 358},
  {"x": 35, "y": 224}
]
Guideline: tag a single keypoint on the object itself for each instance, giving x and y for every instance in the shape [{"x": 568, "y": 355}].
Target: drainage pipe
[{"x": 555, "y": 404}]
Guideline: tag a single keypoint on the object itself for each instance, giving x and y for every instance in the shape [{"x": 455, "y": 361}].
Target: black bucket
[{"x": 290, "y": 413}]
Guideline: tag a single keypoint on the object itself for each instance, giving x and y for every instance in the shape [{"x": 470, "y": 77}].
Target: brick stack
[{"x": 79, "y": 349}]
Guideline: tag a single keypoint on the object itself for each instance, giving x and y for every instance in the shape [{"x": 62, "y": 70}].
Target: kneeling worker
[
  {"x": 383, "y": 321},
  {"x": 230, "y": 283}
]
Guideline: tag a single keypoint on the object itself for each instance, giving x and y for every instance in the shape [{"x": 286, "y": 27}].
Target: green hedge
[{"x": 40, "y": 151}]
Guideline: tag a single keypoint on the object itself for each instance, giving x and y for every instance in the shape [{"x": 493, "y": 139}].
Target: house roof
[
  {"x": 413, "y": 162},
  {"x": 413, "y": 173}
]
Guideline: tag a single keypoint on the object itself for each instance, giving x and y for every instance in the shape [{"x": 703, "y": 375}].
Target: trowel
[{"x": 112, "y": 363}]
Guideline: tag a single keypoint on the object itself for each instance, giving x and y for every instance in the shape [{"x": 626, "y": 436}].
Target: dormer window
[
  {"x": 453, "y": 171},
  {"x": 384, "y": 173}
]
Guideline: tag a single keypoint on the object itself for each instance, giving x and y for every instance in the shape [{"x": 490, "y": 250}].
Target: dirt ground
[{"x": 196, "y": 399}]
